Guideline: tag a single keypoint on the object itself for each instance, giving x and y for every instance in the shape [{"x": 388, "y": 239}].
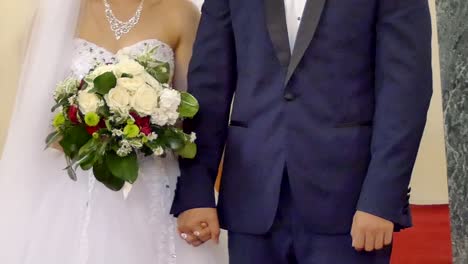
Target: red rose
[
  {"x": 146, "y": 130},
  {"x": 94, "y": 129},
  {"x": 143, "y": 123},
  {"x": 73, "y": 114}
]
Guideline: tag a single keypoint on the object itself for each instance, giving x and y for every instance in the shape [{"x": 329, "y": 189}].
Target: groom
[{"x": 330, "y": 103}]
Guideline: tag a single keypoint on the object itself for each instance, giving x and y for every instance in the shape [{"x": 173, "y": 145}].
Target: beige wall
[
  {"x": 14, "y": 25},
  {"x": 430, "y": 178},
  {"x": 429, "y": 182}
]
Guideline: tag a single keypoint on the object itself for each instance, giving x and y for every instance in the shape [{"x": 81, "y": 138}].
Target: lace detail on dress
[
  {"x": 84, "y": 236},
  {"x": 87, "y": 54},
  {"x": 161, "y": 192}
]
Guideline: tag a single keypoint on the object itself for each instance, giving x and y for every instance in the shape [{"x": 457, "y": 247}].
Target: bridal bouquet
[{"x": 115, "y": 113}]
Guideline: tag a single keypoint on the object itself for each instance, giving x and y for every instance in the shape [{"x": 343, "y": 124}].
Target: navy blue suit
[{"x": 344, "y": 113}]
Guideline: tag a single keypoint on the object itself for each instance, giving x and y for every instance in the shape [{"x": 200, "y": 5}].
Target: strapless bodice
[{"x": 86, "y": 55}]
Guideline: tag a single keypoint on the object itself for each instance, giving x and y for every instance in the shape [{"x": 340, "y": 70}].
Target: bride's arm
[{"x": 188, "y": 24}]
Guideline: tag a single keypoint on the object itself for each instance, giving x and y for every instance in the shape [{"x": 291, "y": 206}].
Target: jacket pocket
[
  {"x": 355, "y": 124},
  {"x": 235, "y": 123}
]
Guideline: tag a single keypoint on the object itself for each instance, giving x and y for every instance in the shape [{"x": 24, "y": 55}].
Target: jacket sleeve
[
  {"x": 212, "y": 80},
  {"x": 403, "y": 89}
]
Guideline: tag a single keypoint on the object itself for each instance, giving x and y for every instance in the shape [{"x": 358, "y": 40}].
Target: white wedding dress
[{"x": 66, "y": 222}]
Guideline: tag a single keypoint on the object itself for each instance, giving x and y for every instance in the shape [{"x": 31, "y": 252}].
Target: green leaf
[
  {"x": 60, "y": 103},
  {"x": 104, "y": 83},
  {"x": 162, "y": 73},
  {"x": 175, "y": 143},
  {"x": 104, "y": 175},
  {"x": 125, "y": 168},
  {"x": 71, "y": 172},
  {"x": 174, "y": 140},
  {"x": 108, "y": 125},
  {"x": 88, "y": 155},
  {"x": 189, "y": 151},
  {"x": 103, "y": 111},
  {"x": 73, "y": 139},
  {"x": 188, "y": 105},
  {"x": 52, "y": 138}
]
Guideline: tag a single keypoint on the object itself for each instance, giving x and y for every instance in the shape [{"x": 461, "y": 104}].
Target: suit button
[{"x": 289, "y": 96}]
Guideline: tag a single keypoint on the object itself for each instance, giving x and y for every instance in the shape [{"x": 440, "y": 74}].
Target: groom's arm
[
  {"x": 212, "y": 80},
  {"x": 403, "y": 88}
]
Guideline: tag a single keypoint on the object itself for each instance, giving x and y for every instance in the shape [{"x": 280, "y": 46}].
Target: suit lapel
[
  {"x": 311, "y": 17},
  {"x": 276, "y": 23}
]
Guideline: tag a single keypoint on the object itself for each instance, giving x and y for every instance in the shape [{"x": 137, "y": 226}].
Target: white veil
[{"x": 46, "y": 62}]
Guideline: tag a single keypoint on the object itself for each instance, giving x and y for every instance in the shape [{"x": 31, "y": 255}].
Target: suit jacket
[{"x": 344, "y": 112}]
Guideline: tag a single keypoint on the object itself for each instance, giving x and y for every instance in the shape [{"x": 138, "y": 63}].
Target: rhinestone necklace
[{"x": 117, "y": 26}]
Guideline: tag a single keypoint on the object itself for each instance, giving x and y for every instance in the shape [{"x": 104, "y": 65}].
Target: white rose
[
  {"x": 129, "y": 66},
  {"x": 159, "y": 117},
  {"x": 170, "y": 99},
  {"x": 131, "y": 84},
  {"x": 124, "y": 54},
  {"x": 145, "y": 100},
  {"x": 88, "y": 102},
  {"x": 102, "y": 69},
  {"x": 118, "y": 100},
  {"x": 151, "y": 81}
]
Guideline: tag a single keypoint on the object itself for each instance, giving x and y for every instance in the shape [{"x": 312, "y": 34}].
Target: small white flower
[
  {"x": 145, "y": 101},
  {"x": 169, "y": 99},
  {"x": 152, "y": 136},
  {"x": 128, "y": 66},
  {"x": 72, "y": 100},
  {"x": 131, "y": 84},
  {"x": 136, "y": 143},
  {"x": 65, "y": 88},
  {"x": 193, "y": 137},
  {"x": 117, "y": 133},
  {"x": 88, "y": 102},
  {"x": 118, "y": 100},
  {"x": 125, "y": 148},
  {"x": 158, "y": 151}
]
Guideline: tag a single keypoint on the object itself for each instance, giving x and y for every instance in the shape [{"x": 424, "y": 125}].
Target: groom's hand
[
  {"x": 199, "y": 225},
  {"x": 370, "y": 232}
]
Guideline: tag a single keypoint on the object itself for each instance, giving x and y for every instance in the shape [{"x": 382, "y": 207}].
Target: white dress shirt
[{"x": 294, "y": 11}]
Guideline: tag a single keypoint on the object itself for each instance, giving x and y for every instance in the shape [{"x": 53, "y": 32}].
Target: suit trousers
[{"x": 288, "y": 242}]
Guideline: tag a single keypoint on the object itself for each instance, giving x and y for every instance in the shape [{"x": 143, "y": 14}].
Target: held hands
[
  {"x": 371, "y": 232},
  {"x": 197, "y": 226}
]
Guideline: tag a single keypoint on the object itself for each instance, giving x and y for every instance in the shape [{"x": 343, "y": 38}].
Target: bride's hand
[{"x": 199, "y": 225}]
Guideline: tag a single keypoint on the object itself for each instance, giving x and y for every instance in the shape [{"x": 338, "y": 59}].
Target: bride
[{"x": 46, "y": 217}]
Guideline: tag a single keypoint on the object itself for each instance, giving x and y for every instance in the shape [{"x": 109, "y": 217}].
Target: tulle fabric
[
  {"x": 85, "y": 223},
  {"x": 45, "y": 218}
]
